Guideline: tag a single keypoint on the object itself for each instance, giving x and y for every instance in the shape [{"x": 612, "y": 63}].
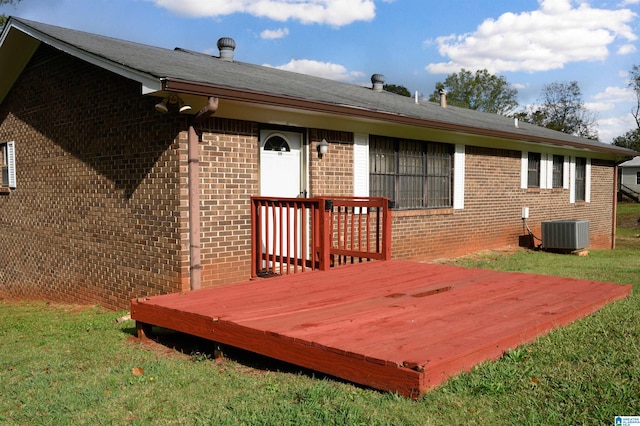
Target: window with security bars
[
  {"x": 558, "y": 171},
  {"x": 413, "y": 174},
  {"x": 581, "y": 179}
]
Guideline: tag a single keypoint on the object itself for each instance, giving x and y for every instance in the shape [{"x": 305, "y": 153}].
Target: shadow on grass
[{"x": 174, "y": 343}]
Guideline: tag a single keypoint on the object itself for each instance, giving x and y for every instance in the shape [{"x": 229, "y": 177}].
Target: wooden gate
[{"x": 291, "y": 235}]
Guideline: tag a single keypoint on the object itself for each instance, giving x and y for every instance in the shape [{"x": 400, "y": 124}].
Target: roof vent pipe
[
  {"x": 443, "y": 98},
  {"x": 378, "y": 82},
  {"x": 226, "y": 45}
]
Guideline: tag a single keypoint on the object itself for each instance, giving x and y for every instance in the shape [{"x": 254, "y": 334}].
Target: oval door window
[{"x": 276, "y": 143}]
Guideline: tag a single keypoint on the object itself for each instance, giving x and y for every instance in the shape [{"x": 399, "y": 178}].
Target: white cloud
[
  {"x": 556, "y": 34},
  {"x": 274, "y": 34},
  {"x": 612, "y": 127},
  {"x": 330, "y": 12},
  {"x": 610, "y": 98},
  {"x": 616, "y": 95},
  {"x": 599, "y": 106},
  {"x": 318, "y": 69},
  {"x": 626, "y": 49}
]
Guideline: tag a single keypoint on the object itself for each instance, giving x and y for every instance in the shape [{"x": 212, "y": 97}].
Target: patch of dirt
[
  {"x": 71, "y": 308},
  {"x": 479, "y": 254},
  {"x": 67, "y": 307},
  {"x": 629, "y": 222}
]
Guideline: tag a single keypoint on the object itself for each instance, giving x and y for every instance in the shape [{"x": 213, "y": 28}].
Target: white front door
[{"x": 281, "y": 165}]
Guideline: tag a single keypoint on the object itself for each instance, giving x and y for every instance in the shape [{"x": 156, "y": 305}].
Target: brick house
[{"x": 96, "y": 196}]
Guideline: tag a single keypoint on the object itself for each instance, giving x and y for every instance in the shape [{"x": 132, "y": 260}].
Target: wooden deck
[{"x": 397, "y": 326}]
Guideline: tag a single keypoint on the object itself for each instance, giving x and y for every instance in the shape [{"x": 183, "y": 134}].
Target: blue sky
[{"x": 414, "y": 43}]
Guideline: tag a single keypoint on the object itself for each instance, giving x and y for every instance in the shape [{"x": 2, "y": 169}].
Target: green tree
[
  {"x": 400, "y": 90},
  {"x": 561, "y": 108},
  {"x": 634, "y": 84},
  {"x": 3, "y": 18},
  {"x": 630, "y": 140},
  {"x": 481, "y": 91}
]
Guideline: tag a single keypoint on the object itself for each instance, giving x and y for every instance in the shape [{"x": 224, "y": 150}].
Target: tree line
[
  {"x": 631, "y": 139},
  {"x": 560, "y": 106}
]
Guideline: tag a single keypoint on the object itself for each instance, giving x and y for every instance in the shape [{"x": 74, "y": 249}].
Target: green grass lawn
[{"x": 76, "y": 365}]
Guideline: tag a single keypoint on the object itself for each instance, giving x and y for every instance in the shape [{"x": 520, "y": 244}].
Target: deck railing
[{"x": 291, "y": 235}]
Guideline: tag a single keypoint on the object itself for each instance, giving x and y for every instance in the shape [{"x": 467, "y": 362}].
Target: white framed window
[
  {"x": 544, "y": 171},
  {"x": 580, "y": 176},
  {"x": 557, "y": 171},
  {"x": 8, "y": 164},
  {"x": 534, "y": 169},
  {"x": 413, "y": 174},
  {"x": 362, "y": 178},
  {"x": 580, "y": 181}
]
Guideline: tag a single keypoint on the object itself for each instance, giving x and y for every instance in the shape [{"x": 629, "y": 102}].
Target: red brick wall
[
  {"x": 229, "y": 154},
  {"x": 96, "y": 215},
  {"x": 491, "y": 217},
  {"x": 332, "y": 174}
]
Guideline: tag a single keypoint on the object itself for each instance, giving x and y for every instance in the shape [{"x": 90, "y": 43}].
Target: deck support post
[{"x": 144, "y": 330}]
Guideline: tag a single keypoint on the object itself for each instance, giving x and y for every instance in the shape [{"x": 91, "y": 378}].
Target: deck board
[{"x": 398, "y": 326}]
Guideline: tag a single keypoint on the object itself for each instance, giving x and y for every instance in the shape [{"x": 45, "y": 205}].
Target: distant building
[{"x": 630, "y": 178}]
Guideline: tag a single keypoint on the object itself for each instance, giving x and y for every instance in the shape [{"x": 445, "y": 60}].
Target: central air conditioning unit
[{"x": 565, "y": 234}]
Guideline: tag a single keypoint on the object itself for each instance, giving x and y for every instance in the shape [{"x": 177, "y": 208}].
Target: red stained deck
[{"x": 398, "y": 326}]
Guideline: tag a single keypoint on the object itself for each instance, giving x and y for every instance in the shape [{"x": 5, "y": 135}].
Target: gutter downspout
[
  {"x": 193, "y": 173},
  {"x": 614, "y": 219}
]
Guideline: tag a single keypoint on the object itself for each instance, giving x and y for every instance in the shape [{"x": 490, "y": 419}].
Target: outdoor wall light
[
  {"x": 323, "y": 148},
  {"x": 172, "y": 103}
]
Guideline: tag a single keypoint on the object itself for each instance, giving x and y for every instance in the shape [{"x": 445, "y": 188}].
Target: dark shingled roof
[{"x": 180, "y": 64}]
